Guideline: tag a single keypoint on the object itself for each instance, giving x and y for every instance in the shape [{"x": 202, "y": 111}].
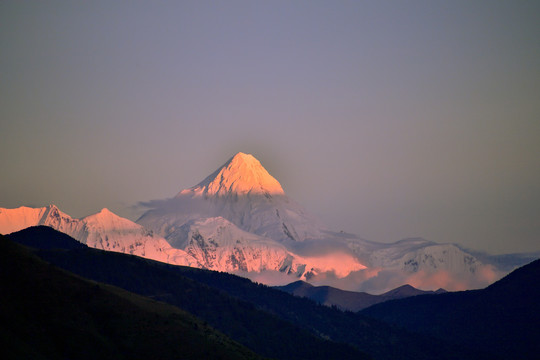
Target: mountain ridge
[
  {"x": 502, "y": 318},
  {"x": 350, "y": 300},
  {"x": 103, "y": 230},
  {"x": 49, "y": 313},
  {"x": 261, "y": 331},
  {"x": 211, "y": 243}
]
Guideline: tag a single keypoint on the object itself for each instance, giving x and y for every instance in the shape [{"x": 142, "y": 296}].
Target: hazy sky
[{"x": 388, "y": 119}]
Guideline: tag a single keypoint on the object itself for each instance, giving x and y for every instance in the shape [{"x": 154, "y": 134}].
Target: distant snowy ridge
[
  {"x": 414, "y": 254},
  {"x": 212, "y": 243},
  {"x": 104, "y": 230},
  {"x": 218, "y": 244}
]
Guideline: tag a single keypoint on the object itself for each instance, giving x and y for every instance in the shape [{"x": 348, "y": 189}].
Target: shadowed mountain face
[
  {"x": 271, "y": 322},
  {"x": 47, "y": 313},
  {"x": 44, "y": 237},
  {"x": 503, "y": 318},
  {"x": 349, "y": 300}
]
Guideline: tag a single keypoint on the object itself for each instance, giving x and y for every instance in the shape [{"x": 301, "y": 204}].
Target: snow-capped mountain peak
[
  {"x": 243, "y": 174},
  {"x": 244, "y": 193},
  {"x": 12, "y": 220},
  {"x": 107, "y": 220},
  {"x": 103, "y": 230}
]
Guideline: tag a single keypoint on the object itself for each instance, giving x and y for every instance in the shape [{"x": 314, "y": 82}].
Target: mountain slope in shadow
[
  {"x": 349, "y": 300},
  {"x": 260, "y": 331},
  {"x": 503, "y": 318},
  {"x": 48, "y": 313},
  {"x": 268, "y": 321}
]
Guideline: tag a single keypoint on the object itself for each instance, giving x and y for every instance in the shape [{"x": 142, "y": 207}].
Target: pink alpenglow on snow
[
  {"x": 103, "y": 230},
  {"x": 241, "y": 175}
]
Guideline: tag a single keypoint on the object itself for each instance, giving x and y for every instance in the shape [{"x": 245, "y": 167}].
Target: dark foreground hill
[
  {"x": 47, "y": 313},
  {"x": 262, "y": 332},
  {"x": 349, "y": 300},
  {"x": 268, "y": 321},
  {"x": 503, "y": 318}
]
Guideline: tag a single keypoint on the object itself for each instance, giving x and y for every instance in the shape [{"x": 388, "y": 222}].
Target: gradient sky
[{"x": 389, "y": 119}]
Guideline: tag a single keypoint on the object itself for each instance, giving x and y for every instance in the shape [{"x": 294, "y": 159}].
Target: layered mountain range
[
  {"x": 239, "y": 220},
  {"x": 109, "y": 304},
  {"x": 350, "y": 300}
]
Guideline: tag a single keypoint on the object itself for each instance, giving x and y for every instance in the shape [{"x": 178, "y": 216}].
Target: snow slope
[
  {"x": 103, "y": 230},
  {"x": 242, "y": 192},
  {"x": 211, "y": 243},
  {"x": 218, "y": 244}
]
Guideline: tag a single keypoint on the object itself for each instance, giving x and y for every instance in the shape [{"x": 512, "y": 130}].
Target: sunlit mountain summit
[
  {"x": 242, "y": 192},
  {"x": 243, "y": 174}
]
